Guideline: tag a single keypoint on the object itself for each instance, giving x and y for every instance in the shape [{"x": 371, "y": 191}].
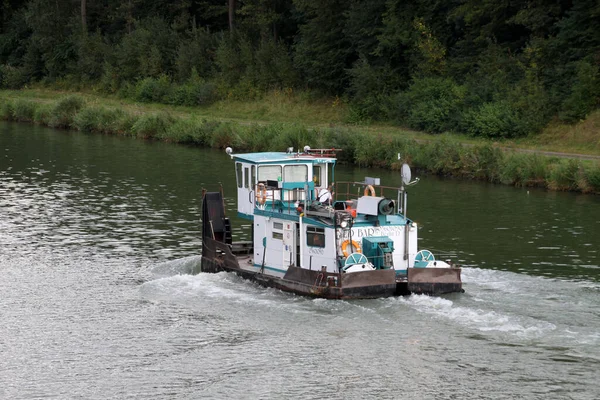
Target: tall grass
[{"x": 446, "y": 156}]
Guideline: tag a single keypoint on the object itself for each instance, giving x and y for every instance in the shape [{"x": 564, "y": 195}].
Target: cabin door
[{"x": 246, "y": 177}]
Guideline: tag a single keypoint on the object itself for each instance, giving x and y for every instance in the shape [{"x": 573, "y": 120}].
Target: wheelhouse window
[
  {"x": 317, "y": 175},
  {"x": 295, "y": 173},
  {"x": 269, "y": 172},
  {"x": 247, "y": 178},
  {"x": 315, "y": 237},
  {"x": 238, "y": 174}
]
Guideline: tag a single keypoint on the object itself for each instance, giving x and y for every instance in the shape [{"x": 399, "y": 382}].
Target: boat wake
[{"x": 516, "y": 308}]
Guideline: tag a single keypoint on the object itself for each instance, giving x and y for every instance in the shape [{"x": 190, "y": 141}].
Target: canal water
[{"x": 98, "y": 236}]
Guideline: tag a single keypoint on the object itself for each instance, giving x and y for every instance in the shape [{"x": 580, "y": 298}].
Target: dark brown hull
[{"x": 218, "y": 256}]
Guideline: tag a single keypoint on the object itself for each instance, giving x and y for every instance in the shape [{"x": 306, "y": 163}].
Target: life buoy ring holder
[
  {"x": 369, "y": 191},
  {"x": 355, "y": 247},
  {"x": 261, "y": 194}
]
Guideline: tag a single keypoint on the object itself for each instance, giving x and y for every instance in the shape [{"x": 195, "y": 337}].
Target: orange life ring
[
  {"x": 369, "y": 191},
  {"x": 355, "y": 246},
  {"x": 261, "y": 194}
]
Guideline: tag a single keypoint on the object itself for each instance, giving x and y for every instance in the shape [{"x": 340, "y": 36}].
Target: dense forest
[{"x": 495, "y": 68}]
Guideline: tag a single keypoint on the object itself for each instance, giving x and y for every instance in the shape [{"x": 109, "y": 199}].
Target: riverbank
[{"x": 372, "y": 146}]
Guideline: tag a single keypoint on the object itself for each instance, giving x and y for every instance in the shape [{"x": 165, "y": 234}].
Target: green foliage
[
  {"x": 563, "y": 175},
  {"x": 42, "y": 114},
  {"x": 195, "y": 56},
  {"x": 431, "y": 104},
  {"x": 23, "y": 110},
  {"x": 63, "y": 112},
  {"x": 371, "y": 89},
  {"x": 225, "y": 134},
  {"x": 150, "y": 90},
  {"x": 494, "y": 120},
  {"x": 187, "y": 131},
  {"x": 524, "y": 170},
  {"x": 92, "y": 51},
  {"x": 150, "y": 126},
  {"x": 6, "y": 110},
  {"x": 487, "y": 68},
  {"x": 103, "y": 120},
  {"x": 589, "y": 181},
  {"x": 585, "y": 93},
  {"x": 12, "y": 77},
  {"x": 322, "y": 53}
]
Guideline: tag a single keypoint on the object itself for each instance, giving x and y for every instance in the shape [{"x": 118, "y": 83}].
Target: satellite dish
[{"x": 406, "y": 175}]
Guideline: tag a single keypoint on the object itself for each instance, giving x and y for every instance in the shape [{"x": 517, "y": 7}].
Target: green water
[
  {"x": 98, "y": 236},
  {"x": 523, "y": 230}
]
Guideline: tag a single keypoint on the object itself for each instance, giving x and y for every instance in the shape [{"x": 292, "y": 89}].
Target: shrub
[
  {"x": 43, "y": 114},
  {"x": 24, "y": 110},
  {"x": 443, "y": 157},
  {"x": 524, "y": 170},
  {"x": 590, "y": 182},
  {"x": 6, "y": 110},
  {"x": 64, "y": 111},
  {"x": 152, "y": 126},
  {"x": 431, "y": 104},
  {"x": 193, "y": 93},
  {"x": 494, "y": 120},
  {"x": 153, "y": 90},
  {"x": 564, "y": 175},
  {"x": 186, "y": 131},
  {"x": 585, "y": 93},
  {"x": 224, "y": 134},
  {"x": 12, "y": 77}
]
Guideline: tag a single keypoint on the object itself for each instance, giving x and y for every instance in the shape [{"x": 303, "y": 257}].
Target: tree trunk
[
  {"x": 231, "y": 14},
  {"x": 84, "y": 15}
]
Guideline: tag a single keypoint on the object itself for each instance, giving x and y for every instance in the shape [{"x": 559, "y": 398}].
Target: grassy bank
[{"x": 442, "y": 155}]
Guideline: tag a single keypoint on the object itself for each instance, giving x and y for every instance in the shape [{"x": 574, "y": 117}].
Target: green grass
[{"x": 447, "y": 154}]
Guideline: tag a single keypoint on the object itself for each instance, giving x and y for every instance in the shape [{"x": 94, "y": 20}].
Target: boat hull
[{"x": 218, "y": 256}]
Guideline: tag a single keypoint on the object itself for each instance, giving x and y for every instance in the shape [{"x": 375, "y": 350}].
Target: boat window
[
  {"x": 278, "y": 225},
  {"x": 238, "y": 174},
  {"x": 317, "y": 175},
  {"x": 278, "y": 235},
  {"x": 253, "y": 175},
  {"x": 269, "y": 172},
  {"x": 295, "y": 173},
  {"x": 315, "y": 237},
  {"x": 247, "y": 178}
]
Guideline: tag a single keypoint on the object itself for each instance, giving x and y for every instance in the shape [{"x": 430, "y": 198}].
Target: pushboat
[{"x": 348, "y": 240}]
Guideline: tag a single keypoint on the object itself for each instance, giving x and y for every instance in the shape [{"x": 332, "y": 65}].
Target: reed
[
  {"x": 23, "y": 110},
  {"x": 64, "y": 111},
  {"x": 563, "y": 175},
  {"x": 150, "y": 126},
  {"x": 446, "y": 156}
]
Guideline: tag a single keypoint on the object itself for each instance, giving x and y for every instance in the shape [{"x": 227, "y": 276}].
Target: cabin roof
[{"x": 283, "y": 158}]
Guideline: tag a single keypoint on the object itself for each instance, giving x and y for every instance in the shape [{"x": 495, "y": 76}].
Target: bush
[
  {"x": 64, "y": 111},
  {"x": 152, "y": 126},
  {"x": 430, "y": 104},
  {"x": 12, "y": 77},
  {"x": 585, "y": 93},
  {"x": 187, "y": 131},
  {"x": 524, "y": 170},
  {"x": 494, "y": 120},
  {"x": 43, "y": 114},
  {"x": 193, "y": 94},
  {"x": 590, "y": 182},
  {"x": 24, "y": 110},
  {"x": 153, "y": 90},
  {"x": 101, "y": 120},
  {"x": 564, "y": 175},
  {"x": 7, "y": 110},
  {"x": 225, "y": 134}
]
